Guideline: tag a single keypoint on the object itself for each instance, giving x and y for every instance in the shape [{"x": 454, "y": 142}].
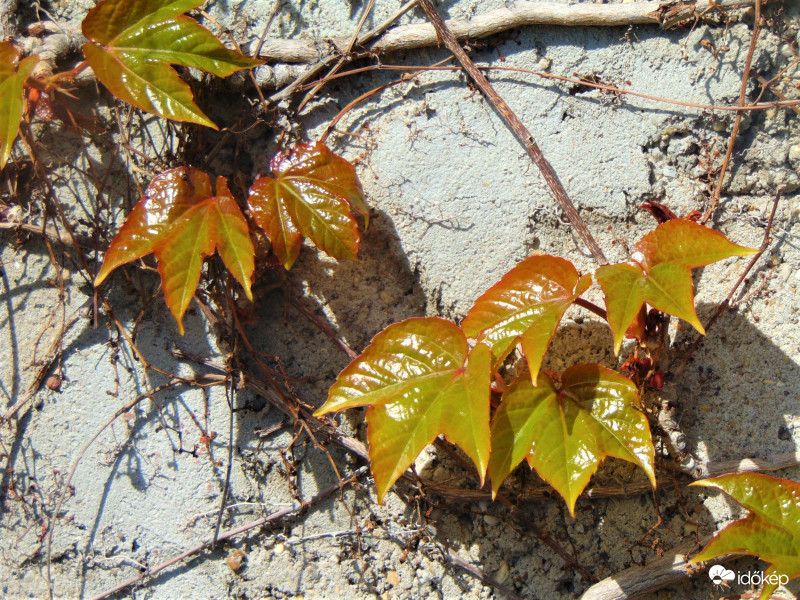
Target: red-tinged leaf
[
  {"x": 311, "y": 194},
  {"x": 660, "y": 273},
  {"x": 526, "y": 305},
  {"x": 13, "y": 75},
  {"x": 134, "y": 42},
  {"x": 182, "y": 222},
  {"x": 638, "y": 328},
  {"x": 660, "y": 212},
  {"x": 566, "y": 429},
  {"x": 770, "y": 530},
  {"x": 419, "y": 380}
]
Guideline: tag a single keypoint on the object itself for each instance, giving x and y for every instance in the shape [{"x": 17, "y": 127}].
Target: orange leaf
[
  {"x": 311, "y": 195},
  {"x": 770, "y": 530},
  {"x": 182, "y": 222},
  {"x": 661, "y": 273},
  {"x": 134, "y": 42},
  {"x": 526, "y": 305},
  {"x": 13, "y": 75},
  {"x": 420, "y": 380}
]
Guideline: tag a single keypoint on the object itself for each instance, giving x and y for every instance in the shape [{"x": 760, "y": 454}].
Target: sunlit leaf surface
[
  {"x": 311, "y": 194},
  {"x": 566, "y": 429},
  {"x": 526, "y": 305},
  {"x": 13, "y": 74},
  {"x": 132, "y": 44},
  {"x": 419, "y": 380},
  {"x": 771, "y": 529},
  {"x": 182, "y": 221},
  {"x": 660, "y": 273}
]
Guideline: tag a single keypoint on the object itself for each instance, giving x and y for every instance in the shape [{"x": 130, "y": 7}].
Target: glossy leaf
[
  {"x": 13, "y": 75},
  {"x": 132, "y": 44},
  {"x": 182, "y": 222},
  {"x": 526, "y": 305},
  {"x": 419, "y": 379},
  {"x": 660, "y": 273},
  {"x": 311, "y": 194},
  {"x": 566, "y": 429},
  {"x": 771, "y": 529}
]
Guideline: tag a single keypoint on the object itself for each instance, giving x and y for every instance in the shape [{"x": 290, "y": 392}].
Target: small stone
[
  {"x": 54, "y": 383},
  {"x": 544, "y": 64},
  {"x": 491, "y": 520},
  {"x": 503, "y": 572},
  {"x": 794, "y": 156},
  {"x": 279, "y": 548},
  {"x": 235, "y": 560},
  {"x": 392, "y": 578}
]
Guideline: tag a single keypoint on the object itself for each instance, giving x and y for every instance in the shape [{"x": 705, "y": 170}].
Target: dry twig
[
  {"x": 518, "y": 14},
  {"x": 522, "y": 133}
]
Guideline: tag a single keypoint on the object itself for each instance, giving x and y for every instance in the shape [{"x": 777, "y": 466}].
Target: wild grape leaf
[
  {"x": 566, "y": 429},
  {"x": 419, "y": 379},
  {"x": 526, "y": 305},
  {"x": 661, "y": 273},
  {"x": 771, "y": 530},
  {"x": 311, "y": 194},
  {"x": 13, "y": 75},
  {"x": 182, "y": 222},
  {"x": 132, "y": 44}
]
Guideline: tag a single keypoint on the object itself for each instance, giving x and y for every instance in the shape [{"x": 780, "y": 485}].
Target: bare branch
[{"x": 521, "y": 14}]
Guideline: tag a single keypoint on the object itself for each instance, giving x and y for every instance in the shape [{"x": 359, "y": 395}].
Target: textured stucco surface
[{"x": 456, "y": 203}]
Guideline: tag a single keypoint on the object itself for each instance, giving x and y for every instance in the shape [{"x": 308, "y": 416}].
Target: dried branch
[
  {"x": 660, "y": 572},
  {"x": 53, "y": 354},
  {"x": 525, "y": 137},
  {"x": 520, "y": 14},
  {"x": 294, "y": 509},
  {"x": 738, "y": 119}
]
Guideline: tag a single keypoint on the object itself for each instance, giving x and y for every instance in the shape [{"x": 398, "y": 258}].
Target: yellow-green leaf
[
  {"x": 182, "y": 222},
  {"x": 526, "y": 305},
  {"x": 13, "y": 75},
  {"x": 771, "y": 529},
  {"x": 420, "y": 380},
  {"x": 311, "y": 195},
  {"x": 660, "y": 273},
  {"x": 134, "y": 42},
  {"x": 565, "y": 429}
]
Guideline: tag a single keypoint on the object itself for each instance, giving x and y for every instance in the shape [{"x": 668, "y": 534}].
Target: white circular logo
[{"x": 720, "y": 574}]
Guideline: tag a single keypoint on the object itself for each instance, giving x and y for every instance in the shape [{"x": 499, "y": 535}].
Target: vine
[{"x": 480, "y": 383}]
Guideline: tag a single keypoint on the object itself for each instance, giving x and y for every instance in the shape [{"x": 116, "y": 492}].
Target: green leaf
[
  {"x": 311, "y": 195},
  {"x": 419, "y": 380},
  {"x": 661, "y": 273},
  {"x": 771, "y": 529},
  {"x": 565, "y": 430},
  {"x": 182, "y": 222},
  {"x": 526, "y": 305},
  {"x": 134, "y": 42},
  {"x": 13, "y": 75}
]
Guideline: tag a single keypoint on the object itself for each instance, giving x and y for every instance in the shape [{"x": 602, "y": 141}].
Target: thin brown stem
[
  {"x": 345, "y": 57},
  {"x": 738, "y": 120},
  {"x": 607, "y": 87},
  {"x": 522, "y": 133},
  {"x": 725, "y": 304},
  {"x": 591, "y": 306},
  {"x": 332, "y": 58},
  {"x": 231, "y": 533}
]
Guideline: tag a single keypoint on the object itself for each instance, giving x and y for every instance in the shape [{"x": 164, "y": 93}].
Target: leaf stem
[
  {"x": 522, "y": 133},
  {"x": 591, "y": 306}
]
